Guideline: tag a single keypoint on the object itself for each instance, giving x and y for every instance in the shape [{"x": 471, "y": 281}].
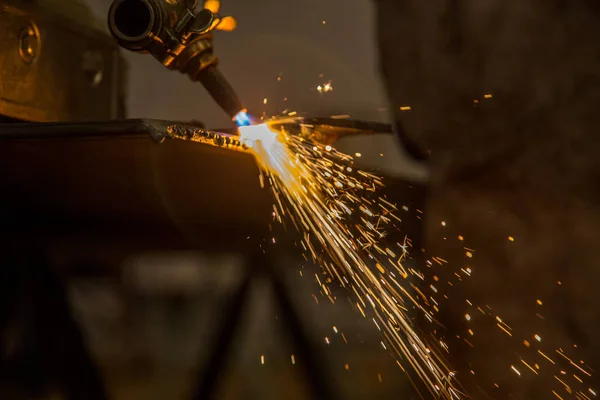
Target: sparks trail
[
  {"x": 343, "y": 221},
  {"x": 347, "y": 224}
]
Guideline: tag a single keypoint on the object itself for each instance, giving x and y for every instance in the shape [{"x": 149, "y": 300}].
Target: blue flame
[{"x": 242, "y": 119}]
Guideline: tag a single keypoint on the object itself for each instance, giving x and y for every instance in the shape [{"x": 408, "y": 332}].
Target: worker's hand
[{"x": 227, "y": 23}]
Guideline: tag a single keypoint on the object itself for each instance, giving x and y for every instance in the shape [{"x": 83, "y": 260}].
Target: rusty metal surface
[{"x": 55, "y": 69}]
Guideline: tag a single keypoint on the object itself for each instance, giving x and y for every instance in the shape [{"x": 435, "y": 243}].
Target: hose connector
[{"x": 159, "y": 27}]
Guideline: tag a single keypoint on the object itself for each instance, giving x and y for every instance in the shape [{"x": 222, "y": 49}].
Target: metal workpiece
[
  {"x": 115, "y": 171},
  {"x": 56, "y": 66},
  {"x": 179, "y": 37},
  {"x": 82, "y": 176}
]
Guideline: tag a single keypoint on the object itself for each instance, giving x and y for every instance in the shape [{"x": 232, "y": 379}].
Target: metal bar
[
  {"x": 341, "y": 126},
  {"x": 159, "y": 130},
  {"x": 365, "y": 127},
  {"x": 156, "y": 130},
  {"x": 133, "y": 128}
]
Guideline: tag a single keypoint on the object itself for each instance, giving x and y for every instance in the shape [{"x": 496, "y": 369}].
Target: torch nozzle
[{"x": 221, "y": 91}]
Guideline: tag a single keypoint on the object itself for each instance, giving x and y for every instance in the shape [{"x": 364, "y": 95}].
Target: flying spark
[
  {"x": 345, "y": 222},
  {"x": 325, "y": 88},
  {"x": 319, "y": 196}
]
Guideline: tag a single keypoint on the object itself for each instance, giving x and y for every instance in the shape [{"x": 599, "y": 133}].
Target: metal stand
[
  {"x": 51, "y": 348},
  {"x": 314, "y": 368}
]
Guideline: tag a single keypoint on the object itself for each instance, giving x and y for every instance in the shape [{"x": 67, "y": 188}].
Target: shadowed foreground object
[
  {"x": 503, "y": 95},
  {"x": 115, "y": 171}
]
